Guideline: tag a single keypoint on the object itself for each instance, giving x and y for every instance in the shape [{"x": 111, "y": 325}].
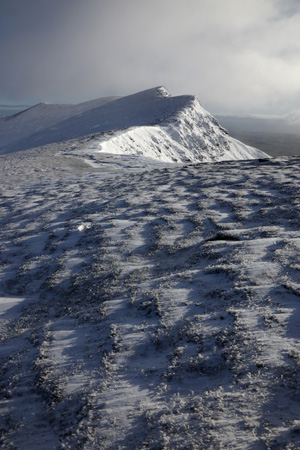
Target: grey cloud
[
  {"x": 287, "y": 9},
  {"x": 235, "y": 56}
]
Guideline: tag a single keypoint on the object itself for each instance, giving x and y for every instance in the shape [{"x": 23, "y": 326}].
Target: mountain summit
[{"x": 150, "y": 123}]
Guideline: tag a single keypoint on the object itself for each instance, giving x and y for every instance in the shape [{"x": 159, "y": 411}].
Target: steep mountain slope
[
  {"x": 150, "y": 123},
  {"x": 187, "y": 134}
]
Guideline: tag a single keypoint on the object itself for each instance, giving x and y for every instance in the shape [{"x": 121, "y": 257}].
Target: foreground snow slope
[
  {"x": 150, "y": 123},
  {"x": 156, "y": 309}
]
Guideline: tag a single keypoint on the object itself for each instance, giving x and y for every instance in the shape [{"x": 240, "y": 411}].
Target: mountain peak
[
  {"x": 163, "y": 92},
  {"x": 149, "y": 123}
]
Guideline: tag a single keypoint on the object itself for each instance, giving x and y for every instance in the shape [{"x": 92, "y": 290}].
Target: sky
[{"x": 236, "y": 56}]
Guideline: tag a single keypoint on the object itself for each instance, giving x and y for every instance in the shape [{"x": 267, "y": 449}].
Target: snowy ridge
[
  {"x": 188, "y": 134},
  {"x": 39, "y": 123},
  {"x": 151, "y": 123}
]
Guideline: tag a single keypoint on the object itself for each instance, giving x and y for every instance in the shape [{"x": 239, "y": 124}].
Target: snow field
[{"x": 150, "y": 309}]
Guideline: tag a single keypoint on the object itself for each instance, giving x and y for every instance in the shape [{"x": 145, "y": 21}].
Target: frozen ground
[
  {"x": 149, "y": 309},
  {"x": 148, "y": 305}
]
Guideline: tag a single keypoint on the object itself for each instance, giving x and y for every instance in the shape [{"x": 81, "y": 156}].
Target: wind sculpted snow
[{"x": 149, "y": 308}]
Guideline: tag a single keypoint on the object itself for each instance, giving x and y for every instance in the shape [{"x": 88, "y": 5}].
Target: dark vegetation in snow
[{"x": 153, "y": 310}]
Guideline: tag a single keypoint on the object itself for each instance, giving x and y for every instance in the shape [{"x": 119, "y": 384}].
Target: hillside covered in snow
[
  {"x": 151, "y": 123},
  {"x": 146, "y": 304}
]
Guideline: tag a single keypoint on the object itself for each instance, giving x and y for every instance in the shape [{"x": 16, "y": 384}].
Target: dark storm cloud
[{"x": 235, "y": 55}]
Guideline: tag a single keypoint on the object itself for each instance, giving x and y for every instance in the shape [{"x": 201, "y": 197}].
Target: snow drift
[{"x": 150, "y": 123}]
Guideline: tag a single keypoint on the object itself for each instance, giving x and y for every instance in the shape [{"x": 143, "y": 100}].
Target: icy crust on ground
[
  {"x": 151, "y": 123},
  {"x": 155, "y": 309}
]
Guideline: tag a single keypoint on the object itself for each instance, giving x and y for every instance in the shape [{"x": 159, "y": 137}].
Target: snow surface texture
[
  {"x": 148, "y": 305},
  {"x": 150, "y": 123},
  {"x": 156, "y": 309}
]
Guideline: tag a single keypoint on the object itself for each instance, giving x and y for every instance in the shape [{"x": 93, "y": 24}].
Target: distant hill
[
  {"x": 276, "y": 135},
  {"x": 9, "y": 110}
]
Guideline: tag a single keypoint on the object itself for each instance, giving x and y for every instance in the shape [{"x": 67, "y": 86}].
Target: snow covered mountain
[
  {"x": 151, "y": 123},
  {"x": 145, "y": 304}
]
